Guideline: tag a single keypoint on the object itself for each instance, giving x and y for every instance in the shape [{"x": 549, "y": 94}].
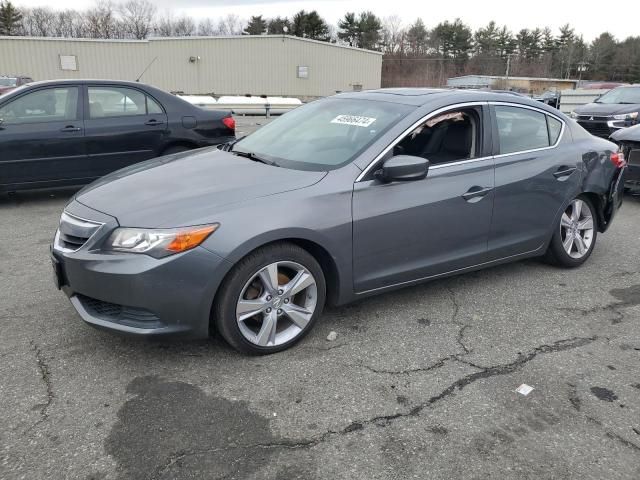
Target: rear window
[
  {"x": 555, "y": 127},
  {"x": 521, "y": 129},
  {"x": 8, "y": 82}
]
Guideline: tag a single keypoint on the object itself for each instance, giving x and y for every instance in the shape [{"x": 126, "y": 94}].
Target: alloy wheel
[
  {"x": 276, "y": 304},
  {"x": 576, "y": 228}
]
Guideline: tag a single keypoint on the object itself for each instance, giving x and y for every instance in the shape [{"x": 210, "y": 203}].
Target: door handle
[
  {"x": 564, "y": 171},
  {"x": 154, "y": 122},
  {"x": 70, "y": 128},
  {"x": 475, "y": 194}
]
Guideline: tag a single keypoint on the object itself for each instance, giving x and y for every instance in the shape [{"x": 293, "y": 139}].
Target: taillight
[
  {"x": 617, "y": 158},
  {"x": 229, "y": 122}
]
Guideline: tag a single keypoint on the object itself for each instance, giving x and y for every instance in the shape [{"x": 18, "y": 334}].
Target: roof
[
  {"x": 421, "y": 96},
  {"x": 504, "y": 77},
  {"x": 162, "y": 39}
]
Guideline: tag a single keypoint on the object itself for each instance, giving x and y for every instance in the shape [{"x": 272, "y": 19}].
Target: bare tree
[
  {"x": 164, "y": 27},
  {"x": 230, "y": 25},
  {"x": 184, "y": 27},
  {"x": 69, "y": 23},
  {"x": 137, "y": 18},
  {"x": 206, "y": 28},
  {"x": 102, "y": 22},
  {"x": 39, "y": 22},
  {"x": 393, "y": 33}
]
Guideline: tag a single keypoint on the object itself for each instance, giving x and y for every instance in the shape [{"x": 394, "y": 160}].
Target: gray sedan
[{"x": 343, "y": 198}]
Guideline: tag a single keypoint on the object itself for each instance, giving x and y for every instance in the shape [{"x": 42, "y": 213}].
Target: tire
[
  {"x": 570, "y": 252},
  {"x": 257, "y": 317},
  {"x": 175, "y": 149}
]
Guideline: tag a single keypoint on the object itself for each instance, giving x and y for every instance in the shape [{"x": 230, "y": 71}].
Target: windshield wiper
[{"x": 254, "y": 157}]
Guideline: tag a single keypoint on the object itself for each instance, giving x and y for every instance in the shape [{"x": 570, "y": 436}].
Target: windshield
[
  {"x": 621, "y": 95},
  {"x": 323, "y": 135},
  {"x": 8, "y": 82}
]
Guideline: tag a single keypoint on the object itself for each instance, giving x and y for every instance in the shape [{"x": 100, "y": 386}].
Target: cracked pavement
[{"x": 420, "y": 383}]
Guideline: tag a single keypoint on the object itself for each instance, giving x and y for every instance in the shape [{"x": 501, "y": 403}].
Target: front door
[
  {"x": 407, "y": 231},
  {"x": 123, "y": 126},
  {"x": 42, "y": 137}
]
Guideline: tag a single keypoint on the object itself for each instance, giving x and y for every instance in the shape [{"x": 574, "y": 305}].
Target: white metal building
[{"x": 275, "y": 65}]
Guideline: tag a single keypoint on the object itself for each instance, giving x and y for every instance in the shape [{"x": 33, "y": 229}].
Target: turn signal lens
[{"x": 190, "y": 238}]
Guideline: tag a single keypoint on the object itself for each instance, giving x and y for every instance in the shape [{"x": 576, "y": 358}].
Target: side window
[
  {"x": 555, "y": 127},
  {"x": 448, "y": 137},
  {"x": 116, "y": 102},
  {"x": 521, "y": 129},
  {"x": 46, "y": 105},
  {"x": 153, "y": 107}
]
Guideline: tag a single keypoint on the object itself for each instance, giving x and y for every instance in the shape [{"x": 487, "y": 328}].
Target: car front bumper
[{"x": 137, "y": 294}]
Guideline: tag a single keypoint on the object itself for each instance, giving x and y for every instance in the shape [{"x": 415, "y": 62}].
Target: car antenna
[{"x": 147, "y": 68}]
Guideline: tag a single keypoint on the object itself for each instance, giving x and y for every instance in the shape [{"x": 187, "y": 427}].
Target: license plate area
[{"x": 58, "y": 273}]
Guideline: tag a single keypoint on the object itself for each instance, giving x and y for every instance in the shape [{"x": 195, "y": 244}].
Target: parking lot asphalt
[{"x": 419, "y": 383}]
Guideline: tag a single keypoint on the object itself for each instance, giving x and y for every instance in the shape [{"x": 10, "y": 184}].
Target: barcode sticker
[{"x": 354, "y": 120}]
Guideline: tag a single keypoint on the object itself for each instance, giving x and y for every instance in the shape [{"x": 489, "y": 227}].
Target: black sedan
[{"x": 69, "y": 132}]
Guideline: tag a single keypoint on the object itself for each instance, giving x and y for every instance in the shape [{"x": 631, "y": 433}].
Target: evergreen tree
[
  {"x": 349, "y": 29},
  {"x": 276, "y": 26},
  {"x": 256, "y": 26},
  {"x": 369, "y": 31},
  {"x": 10, "y": 18},
  {"x": 417, "y": 38}
]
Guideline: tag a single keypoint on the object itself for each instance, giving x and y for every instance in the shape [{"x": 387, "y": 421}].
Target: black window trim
[{"x": 528, "y": 107}]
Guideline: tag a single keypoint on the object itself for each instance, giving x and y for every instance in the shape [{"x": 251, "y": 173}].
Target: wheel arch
[{"x": 334, "y": 277}]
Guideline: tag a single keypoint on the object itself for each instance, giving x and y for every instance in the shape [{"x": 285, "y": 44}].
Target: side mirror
[{"x": 403, "y": 168}]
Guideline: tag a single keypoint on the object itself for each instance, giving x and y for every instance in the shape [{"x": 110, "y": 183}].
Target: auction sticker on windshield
[{"x": 355, "y": 120}]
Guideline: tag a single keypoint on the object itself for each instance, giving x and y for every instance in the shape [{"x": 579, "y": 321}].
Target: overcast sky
[{"x": 588, "y": 18}]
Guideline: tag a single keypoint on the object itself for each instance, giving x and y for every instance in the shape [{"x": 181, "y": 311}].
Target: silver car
[{"x": 340, "y": 199}]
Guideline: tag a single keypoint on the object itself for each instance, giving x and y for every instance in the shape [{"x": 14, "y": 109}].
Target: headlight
[
  {"x": 574, "y": 115},
  {"x": 626, "y": 116},
  {"x": 158, "y": 243}
]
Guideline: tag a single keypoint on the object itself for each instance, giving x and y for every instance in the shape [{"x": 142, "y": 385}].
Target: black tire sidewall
[
  {"x": 225, "y": 305},
  {"x": 559, "y": 255}
]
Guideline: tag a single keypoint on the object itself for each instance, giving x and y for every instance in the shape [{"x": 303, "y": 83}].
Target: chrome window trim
[
  {"x": 412, "y": 127},
  {"x": 471, "y": 160}
]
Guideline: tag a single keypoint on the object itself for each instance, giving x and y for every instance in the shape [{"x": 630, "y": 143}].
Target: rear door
[
  {"x": 123, "y": 125},
  {"x": 42, "y": 137},
  {"x": 536, "y": 172}
]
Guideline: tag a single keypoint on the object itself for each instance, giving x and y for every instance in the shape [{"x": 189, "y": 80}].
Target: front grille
[
  {"x": 599, "y": 129},
  {"x": 132, "y": 316},
  {"x": 592, "y": 118},
  {"x": 74, "y": 232}
]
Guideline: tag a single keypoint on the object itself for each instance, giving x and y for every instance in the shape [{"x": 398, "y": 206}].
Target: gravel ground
[{"x": 419, "y": 383}]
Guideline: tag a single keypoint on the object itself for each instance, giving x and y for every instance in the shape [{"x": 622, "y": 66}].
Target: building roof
[
  {"x": 160, "y": 39},
  {"x": 504, "y": 77}
]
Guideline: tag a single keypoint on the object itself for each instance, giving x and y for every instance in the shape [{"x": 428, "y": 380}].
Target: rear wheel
[
  {"x": 270, "y": 300},
  {"x": 575, "y": 236}
]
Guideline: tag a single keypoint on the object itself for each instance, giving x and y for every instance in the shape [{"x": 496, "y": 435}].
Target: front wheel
[
  {"x": 575, "y": 236},
  {"x": 270, "y": 300}
]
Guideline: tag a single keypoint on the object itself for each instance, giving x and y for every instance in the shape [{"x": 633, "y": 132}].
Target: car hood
[
  {"x": 606, "y": 108},
  {"x": 630, "y": 134},
  {"x": 187, "y": 188}
]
